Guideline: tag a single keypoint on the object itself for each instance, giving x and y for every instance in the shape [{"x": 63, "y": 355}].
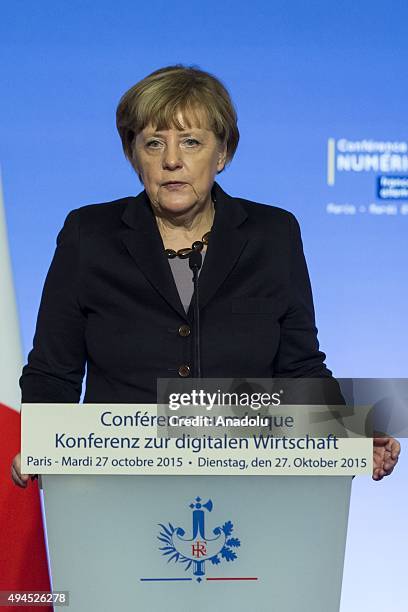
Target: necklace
[{"x": 198, "y": 245}]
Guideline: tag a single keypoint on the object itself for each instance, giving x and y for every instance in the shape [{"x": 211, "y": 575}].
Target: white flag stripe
[{"x": 10, "y": 343}]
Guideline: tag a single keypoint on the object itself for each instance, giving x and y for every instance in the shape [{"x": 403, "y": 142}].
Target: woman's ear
[{"x": 222, "y": 157}]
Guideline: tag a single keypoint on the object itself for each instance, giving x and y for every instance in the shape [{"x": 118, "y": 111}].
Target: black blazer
[{"x": 110, "y": 304}]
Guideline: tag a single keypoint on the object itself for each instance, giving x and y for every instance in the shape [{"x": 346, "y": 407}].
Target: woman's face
[{"x": 178, "y": 167}]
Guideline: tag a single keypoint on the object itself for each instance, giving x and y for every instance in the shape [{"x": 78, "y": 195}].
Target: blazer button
[
  {"x": 184, "y": 330},
  {"x": 184, "y": 370}
]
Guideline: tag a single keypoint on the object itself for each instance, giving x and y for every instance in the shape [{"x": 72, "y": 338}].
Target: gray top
[{"x": 183, "y": 277}]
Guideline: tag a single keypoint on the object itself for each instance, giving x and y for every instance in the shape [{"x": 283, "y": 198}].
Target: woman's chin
[{"x": 176, "y": 203}]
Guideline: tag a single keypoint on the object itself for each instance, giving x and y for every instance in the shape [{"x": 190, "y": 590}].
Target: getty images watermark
[
  {"x": 306, "y": 406},
  {"x": 208, "y": 400}
]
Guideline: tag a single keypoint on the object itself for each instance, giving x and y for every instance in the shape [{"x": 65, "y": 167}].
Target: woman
[{"x": 116, "y": 297}]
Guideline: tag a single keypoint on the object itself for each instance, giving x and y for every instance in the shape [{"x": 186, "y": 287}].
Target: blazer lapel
[
  {"x": 143, "y": 241},
  {"x": 227, "y": 241}
]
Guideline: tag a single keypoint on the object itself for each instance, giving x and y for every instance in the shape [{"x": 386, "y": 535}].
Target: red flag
[{"x": 23, "y": 560}]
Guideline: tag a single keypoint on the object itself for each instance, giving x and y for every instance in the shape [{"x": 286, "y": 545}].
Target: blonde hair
[{"x": 162, "y": 95}]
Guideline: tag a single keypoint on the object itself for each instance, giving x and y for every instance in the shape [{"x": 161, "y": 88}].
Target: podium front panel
[{"x": 197, "y": 543}]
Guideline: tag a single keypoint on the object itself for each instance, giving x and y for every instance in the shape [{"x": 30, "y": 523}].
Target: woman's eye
[
  {"x": 191, "y": 142},
  {"x": 153, "y": 144}
]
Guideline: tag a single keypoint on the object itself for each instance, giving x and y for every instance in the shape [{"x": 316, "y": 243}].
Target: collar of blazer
[{"x": 143, "y": 241}]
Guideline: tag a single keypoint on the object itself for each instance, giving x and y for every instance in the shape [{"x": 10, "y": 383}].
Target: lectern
[{"x": 197, "y": 543}]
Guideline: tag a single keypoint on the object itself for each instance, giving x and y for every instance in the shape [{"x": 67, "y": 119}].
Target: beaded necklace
[
  {"x": 184, "y": 253},
  {"x": 198, "y": 245}
]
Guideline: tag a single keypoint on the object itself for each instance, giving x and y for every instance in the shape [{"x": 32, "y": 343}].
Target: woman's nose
[{"x": 172, "y": 156}]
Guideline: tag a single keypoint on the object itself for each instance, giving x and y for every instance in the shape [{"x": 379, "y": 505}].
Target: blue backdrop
[{"x": 321, "y": 93}]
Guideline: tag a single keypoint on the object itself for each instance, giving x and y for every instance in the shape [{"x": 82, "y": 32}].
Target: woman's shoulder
[
  {"x": 267, "y": 211},
  {"x": 261, "y": 211},
  {"x": 105, "y": 211},
  {"x": 267, "y": 218},
  {"x": 100, "y": 216}
]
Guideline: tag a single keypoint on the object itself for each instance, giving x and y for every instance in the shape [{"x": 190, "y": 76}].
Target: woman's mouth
[{"x": 174, "y": 185}]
